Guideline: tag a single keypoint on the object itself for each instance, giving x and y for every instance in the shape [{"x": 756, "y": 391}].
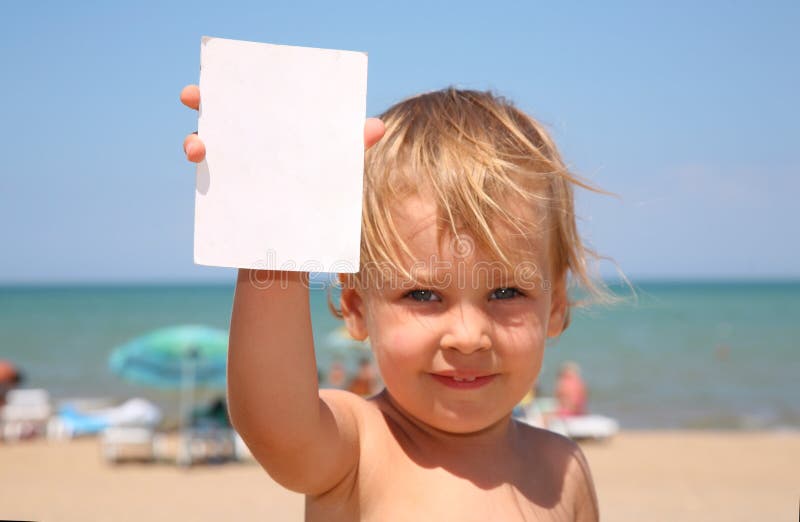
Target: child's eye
[
  {"x": 423, "y": 295},
  {"x": 506, "y": 293}
]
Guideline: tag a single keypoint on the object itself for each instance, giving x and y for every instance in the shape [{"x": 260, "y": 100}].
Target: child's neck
[
  {"x": 500, "y": 435},
  {"x": 483, "y": 457}
]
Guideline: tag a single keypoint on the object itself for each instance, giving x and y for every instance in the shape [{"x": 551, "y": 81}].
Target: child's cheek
[
  {"x": 521, "y": 342},
  {"x": 398, "y": 347},
  {"x": 399, "y": 340},
  {"x": 394, "y": 349}
]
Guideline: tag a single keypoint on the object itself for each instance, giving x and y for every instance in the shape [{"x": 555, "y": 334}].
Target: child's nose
[{"x": 467, "y": 330}]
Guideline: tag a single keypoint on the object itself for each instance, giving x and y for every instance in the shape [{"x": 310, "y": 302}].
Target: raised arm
[{"x": 307, "y": 443}]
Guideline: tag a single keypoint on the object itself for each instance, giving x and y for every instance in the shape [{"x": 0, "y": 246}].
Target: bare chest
[
  {"x": 395, "y": 483},
  {"x": 409, "y": 473},
  {"x": 440, "y": 494}
]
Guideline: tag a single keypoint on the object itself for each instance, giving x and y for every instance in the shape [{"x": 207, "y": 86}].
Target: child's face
[{"x": 465, "y": 322}]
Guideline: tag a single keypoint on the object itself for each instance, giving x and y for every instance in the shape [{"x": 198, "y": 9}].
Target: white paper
[{"x": 281, "y": 184}]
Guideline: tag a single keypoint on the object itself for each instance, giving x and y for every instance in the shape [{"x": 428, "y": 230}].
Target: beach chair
[
  {"x": 206, "y": 445},
  {"x": 208, "y": 437},
  {"x": 584, "y": 427},
  {"x": 25, "y": 414},
  {"x": 73, "y": 420},
  {"x": 141, "y": 443}
]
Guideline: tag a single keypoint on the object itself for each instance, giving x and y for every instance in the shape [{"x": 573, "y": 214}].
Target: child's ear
[
  {"x": 353, "y": 313},
  {"x": 559, "y": 309}
]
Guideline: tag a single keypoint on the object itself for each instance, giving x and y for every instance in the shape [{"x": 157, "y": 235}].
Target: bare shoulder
[
  {"x": 543, "y": 445},
  {"x": 341, "y": 396},
  {"x": 354, "y": 413},
  {"x": 347, "y": 403},
  {"x": 357, "y": 419},
  {"x": 348, "y": 408},
  {"x": 565, "y": 464}
]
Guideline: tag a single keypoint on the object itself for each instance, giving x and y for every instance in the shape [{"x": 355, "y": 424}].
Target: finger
[
  {"x": 190, "y": 96},
  {"x": 194, "y": 148},
  {"x": 373, "y": 131}
]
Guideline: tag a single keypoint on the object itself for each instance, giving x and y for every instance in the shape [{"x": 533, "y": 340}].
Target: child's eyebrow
[
  {"x": 427, "y": 279},
  {"x": 526, "y": 276}
]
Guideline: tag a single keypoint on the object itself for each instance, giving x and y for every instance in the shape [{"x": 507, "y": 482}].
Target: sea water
[{"x": 678, "y": 355}]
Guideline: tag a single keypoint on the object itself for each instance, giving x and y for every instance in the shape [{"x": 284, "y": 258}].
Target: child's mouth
[{"x": 464, "y": 383}]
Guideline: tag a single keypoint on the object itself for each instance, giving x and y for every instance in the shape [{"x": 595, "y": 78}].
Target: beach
[
  {"x": 640, "y": 475},
  {"x": 699, "y": 376}
]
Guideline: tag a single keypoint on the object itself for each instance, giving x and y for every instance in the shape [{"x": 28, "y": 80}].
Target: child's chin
[
  {"x": 461, "y": 424},
  {"x": 456, "y": 419}
]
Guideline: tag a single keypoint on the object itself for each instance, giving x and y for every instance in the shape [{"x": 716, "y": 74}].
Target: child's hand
[{"x": 195, "y": 149}]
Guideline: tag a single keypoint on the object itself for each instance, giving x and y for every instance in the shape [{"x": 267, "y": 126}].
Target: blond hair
[{"x": 474, "y": 152}]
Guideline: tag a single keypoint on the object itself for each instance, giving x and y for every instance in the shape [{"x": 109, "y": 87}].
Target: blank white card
[{"x": 281, "y": 184}]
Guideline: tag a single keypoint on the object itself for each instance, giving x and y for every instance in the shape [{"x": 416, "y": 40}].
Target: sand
[
  {"x": 649, "y": 476},
  {"x": 688, "y": 476}
]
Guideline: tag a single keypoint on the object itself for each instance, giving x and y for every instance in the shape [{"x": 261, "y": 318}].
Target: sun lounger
[
  {"x": 206, "y": 445},
  {"x": 121, "y": 443},
  {"x": 542, "y": 414},
  {"x": 25, "y": 414},
  {"x": 597, "y": 427},
  {"x": 72, "y": 422}
]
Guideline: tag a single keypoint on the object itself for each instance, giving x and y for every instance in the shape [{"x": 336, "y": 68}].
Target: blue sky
[{"x": 689, "y": 112}]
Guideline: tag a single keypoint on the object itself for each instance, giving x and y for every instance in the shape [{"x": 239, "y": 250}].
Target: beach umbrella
[
  {"x": 178, "y": 357},
  {"x": 161, "y": 358}
]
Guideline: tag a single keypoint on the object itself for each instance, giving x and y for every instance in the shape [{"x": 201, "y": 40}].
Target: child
[{"x": 468, "y": 234}]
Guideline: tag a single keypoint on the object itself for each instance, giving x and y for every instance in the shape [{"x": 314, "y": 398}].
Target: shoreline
[{"x": 688, "y": 475}]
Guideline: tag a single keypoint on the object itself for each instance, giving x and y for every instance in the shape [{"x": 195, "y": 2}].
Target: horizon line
[{"x": 699, "y": 279}]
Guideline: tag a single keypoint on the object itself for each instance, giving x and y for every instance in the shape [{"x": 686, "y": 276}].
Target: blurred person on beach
[
  {"x": 10, "y": 378},
  {"x": 468, "y": 237},
  {"x": 337, "y": 375},
  {"x": 365, "y": 380},
  {"x": 570, "y": 391}
]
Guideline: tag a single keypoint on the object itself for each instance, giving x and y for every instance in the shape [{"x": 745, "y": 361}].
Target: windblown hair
[{"x": 488, "y": 166}]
